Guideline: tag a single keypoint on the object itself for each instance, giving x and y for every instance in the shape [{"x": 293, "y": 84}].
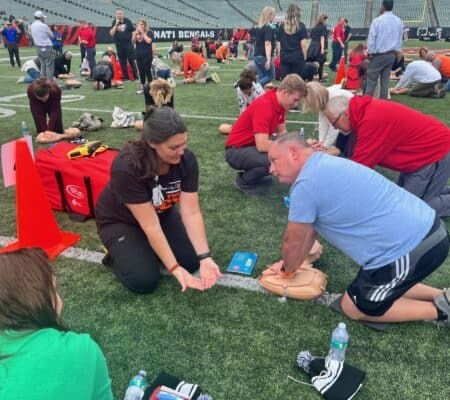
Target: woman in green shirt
[{"x": 39, "y": 358}]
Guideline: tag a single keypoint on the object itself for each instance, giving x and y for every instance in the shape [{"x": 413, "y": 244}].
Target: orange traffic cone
[
  {"x": 36, "y": 224},
  {"x": 341, "y": 71}
]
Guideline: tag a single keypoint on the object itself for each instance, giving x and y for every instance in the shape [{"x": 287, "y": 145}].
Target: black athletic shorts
[{"x": 374, "y": 291}]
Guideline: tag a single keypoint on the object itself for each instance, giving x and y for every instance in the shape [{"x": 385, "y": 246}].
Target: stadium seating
[
  {"x": 347, "y": 9},
  {"x": 305, "y": 9},
  {"x": 413, "y": 13},
  {"x": 217, "y": 13}
]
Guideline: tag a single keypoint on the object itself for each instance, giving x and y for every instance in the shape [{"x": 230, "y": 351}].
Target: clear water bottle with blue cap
[
  {"x": 136, "y": 387},
  {"x": 302, "y": 133},
  {"x": 25, "y": 130},
  {"x": 339, "y": 342}
]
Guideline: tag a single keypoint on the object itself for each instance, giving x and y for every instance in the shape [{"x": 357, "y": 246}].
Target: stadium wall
[{"x": 70, "y": 34}]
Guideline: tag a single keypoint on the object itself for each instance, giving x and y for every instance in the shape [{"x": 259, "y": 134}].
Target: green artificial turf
[{"x": 236, "y": 344}]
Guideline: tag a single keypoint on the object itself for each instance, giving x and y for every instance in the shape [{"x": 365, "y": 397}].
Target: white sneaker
[
  {"x": 20, "y": 80},
  {"x": 215, "y": 78},
  {"x": 140, "y": 91}
]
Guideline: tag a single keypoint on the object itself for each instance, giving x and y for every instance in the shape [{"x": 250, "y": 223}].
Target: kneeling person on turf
[
  {"x": 249, "y": 139},
  {"x": 396, "y": 238}
]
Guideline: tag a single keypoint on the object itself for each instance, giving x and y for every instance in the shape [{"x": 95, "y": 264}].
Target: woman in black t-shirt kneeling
[{"x": 136, "y": 215}]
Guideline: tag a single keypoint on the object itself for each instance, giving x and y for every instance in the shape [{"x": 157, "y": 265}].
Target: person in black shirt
[
  {"x": 265, "y": 46},
  {"x": 103, "y": 74},
  {"x": 143, "y": 40},
  {"x": 137, "y": 217},
  {"x": 63, "y": 64},
  {"x": 292, "y": 38},
  {"x": 318, "y": 47},
  {"x": 347, "y": 36},
  {"x": 121, "y": 30}
]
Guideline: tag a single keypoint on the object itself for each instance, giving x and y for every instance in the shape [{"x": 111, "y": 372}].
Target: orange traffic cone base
[
  {"x": 67, "y": 239},
  {"x": 36, "y": 223}
]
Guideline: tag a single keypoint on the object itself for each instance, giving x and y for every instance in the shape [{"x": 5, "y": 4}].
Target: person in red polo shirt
[
  {"x": 338, "y": 44},
  {"x": 249, "y": 139},
  {"x": 86, "y": 37},
  {"x": 397, "y": 137}
]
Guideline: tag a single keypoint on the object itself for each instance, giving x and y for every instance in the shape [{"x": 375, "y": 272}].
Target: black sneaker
[
  {"x": 107, "y": 260},
  {"x": 250, "y": 190}
]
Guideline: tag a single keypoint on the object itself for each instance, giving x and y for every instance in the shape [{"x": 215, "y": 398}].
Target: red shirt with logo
[
  {"x": 394, "y": 136},
  {"x": 87, "y": 33},
  {"x": 338, "y": 33},
  {"x": 263, "y": 115}
]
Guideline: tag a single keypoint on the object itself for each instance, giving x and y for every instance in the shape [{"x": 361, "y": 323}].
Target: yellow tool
[{"x": 89, "y": 149}]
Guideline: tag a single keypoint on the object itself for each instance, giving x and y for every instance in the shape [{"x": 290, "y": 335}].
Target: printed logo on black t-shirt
[{"x": 171, "y": 193}]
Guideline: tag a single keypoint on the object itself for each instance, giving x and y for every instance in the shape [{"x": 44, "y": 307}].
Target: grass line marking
[
  {"x": 228, "y": 280},
  {"x": 193, "y": 116}
]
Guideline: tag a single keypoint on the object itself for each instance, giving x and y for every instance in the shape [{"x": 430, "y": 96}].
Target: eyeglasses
[{"x": 337, "y": 119}]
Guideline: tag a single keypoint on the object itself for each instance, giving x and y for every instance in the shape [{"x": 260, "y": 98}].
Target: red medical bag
[{"x": 73, "y": 185}]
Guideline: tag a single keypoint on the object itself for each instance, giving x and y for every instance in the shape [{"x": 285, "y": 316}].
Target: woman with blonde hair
[
  {"x": 315, "y": 100},
  {"x": 318, "y": 46},
  {"x": 292, "y": 37},
  {"x": 265, "y": 46},
  {"x": 143, "y": 41}
]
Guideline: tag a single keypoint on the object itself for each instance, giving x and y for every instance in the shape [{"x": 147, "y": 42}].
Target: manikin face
[{"x": 171, "y": 151}]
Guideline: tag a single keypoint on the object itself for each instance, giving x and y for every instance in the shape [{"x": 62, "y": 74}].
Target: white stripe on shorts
[{"x": 401, "y": 272}]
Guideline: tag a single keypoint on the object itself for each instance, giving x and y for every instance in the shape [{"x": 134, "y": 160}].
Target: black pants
[
  {"x": 126, "y": 54},
  {"x": 337, "y": 53},
  {"x": 255, "y": 165},
  {"x": 82, "y": 52},
  {"x": 291, "y": 63},
  {"x": 13, "y": 50},
  {"x": 132, "y": 259},
  {"x": 144, "y": 64}
]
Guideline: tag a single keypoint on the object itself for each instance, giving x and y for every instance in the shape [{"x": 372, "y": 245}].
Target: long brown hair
[
  {"x": 27, "y": 291},
  {"x": 161, "y": 91},
  {"x": 160, "y": 123},
  {"x": 41, "y": 87}
]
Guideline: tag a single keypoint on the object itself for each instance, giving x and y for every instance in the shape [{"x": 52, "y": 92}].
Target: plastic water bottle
[
  {"x": 136, "y": 387},
  {"x": 25, "y": 130},
  {"x": 302, "y": 133},
  {"x": 339, "y": 342}
]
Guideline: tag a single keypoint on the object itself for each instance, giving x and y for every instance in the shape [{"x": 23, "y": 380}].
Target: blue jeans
[
  {"x": 264, "y": 75},
  {"x": 163, "y": 73},
  {"x": 447, "y": 86},
  {"x": 33, "y": 74}
]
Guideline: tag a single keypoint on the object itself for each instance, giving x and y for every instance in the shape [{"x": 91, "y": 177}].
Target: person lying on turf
[
  {"x": 136, "y": 214},
  {"x": 396, "y": 238}
]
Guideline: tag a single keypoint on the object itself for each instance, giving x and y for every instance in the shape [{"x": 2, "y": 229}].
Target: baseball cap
[{"x": 39, "y": 14}]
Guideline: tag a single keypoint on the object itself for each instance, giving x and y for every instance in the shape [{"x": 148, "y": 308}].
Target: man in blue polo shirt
[
  {"x": 10, "y": 35},
  {"x": 395, "y": 237}
]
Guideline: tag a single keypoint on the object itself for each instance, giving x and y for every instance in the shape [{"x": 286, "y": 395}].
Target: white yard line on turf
[
  {"x": 228, "y": 280},
  {"x": 183, "y": 115}
]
